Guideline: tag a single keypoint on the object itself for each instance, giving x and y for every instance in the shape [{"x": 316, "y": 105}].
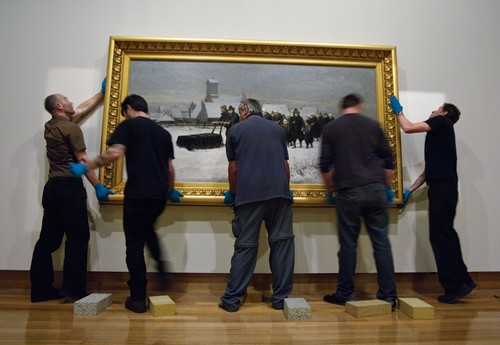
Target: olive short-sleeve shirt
[{"x": 62, "y": 138}]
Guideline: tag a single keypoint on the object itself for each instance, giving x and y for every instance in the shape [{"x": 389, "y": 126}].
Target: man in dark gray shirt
[
  {"x": 259, "y": 178},
  {"x": 356, "y": 162}
]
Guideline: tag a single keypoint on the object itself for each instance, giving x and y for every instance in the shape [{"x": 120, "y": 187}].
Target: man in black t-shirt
[
  {"x": 441, "y": 176},
  {"x": 149, "y": 152}
]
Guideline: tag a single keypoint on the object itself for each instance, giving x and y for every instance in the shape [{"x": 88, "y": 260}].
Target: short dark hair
[
  {"x": 350, "y": 100},
  {"x": 453, "y": 113},
  {"x": 136, "y": 102},
  {"x": 50, "y": 103}
]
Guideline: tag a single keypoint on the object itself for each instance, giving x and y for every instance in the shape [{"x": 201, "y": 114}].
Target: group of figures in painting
[{"x": 296, "y": 128}]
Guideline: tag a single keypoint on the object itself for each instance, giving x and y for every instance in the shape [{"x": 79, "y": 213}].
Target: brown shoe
[{"x": 136, "y": 306}]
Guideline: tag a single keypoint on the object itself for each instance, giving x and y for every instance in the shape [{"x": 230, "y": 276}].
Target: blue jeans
[
  {"x": 277, "y": 217},
  {"x": 370, "y": 203}
]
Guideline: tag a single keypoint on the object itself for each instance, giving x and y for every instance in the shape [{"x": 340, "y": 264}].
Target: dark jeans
[
  {"x": 277, "y": 217},
  {"x": 139, "y": 218},
  {"x": 368, "y": 202},
  {"x": 443, "y": 199},
  {"x": 65, "y": 212}
]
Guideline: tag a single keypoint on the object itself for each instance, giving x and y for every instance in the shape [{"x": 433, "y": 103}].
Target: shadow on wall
[
  {"x": 471, "y": 221},
  {"x": 22, "y": 207}
]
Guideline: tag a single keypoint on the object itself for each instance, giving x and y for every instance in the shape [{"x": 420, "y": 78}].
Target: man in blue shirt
[{"x": 259, "y": 178}]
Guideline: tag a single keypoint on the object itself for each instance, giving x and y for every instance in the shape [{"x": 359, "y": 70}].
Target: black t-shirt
[
  {"x": 440, "y": 150},
  {"x": 358, "y": 150},
  {"x": 149, "y": 147}
]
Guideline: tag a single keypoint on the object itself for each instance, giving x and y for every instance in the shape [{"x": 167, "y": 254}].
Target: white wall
[{"x": 447, "y": 51}]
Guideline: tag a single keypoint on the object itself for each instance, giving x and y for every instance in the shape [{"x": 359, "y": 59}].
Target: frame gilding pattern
[{"x": 124, "y": 49}]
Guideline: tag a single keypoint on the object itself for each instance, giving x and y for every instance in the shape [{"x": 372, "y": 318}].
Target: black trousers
[
  {"x": 443, "y": 198},
  {"x": 65, "y": 212},
  {"x": 139, "y": 218}
]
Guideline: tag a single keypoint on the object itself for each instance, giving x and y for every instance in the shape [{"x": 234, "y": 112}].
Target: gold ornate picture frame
[{"x": 327, "y": 66}]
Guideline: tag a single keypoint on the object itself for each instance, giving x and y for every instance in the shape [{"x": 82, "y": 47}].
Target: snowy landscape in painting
[{"x": 210, "y": 165}]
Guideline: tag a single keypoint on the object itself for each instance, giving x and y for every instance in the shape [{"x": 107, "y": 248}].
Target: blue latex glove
[
  {"x": 77, "y": 169},
  {"x": 291, "y": 195},
  {"x": 396, "y": 106},
  {"x": 406, "y": 196},
  {"x": 102, "y": 192},
  {"x": 175, "y": 196},
  {"x": 330, "y": 198},
  {"x": 229, "y": 197},
  {"x": 390, "y": 195},
  {"x": 103, "y": 86}
]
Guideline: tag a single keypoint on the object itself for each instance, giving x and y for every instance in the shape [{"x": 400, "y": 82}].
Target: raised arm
[
  {"x": 84, "y": 109},
  {"x": 406, "y": 125}
]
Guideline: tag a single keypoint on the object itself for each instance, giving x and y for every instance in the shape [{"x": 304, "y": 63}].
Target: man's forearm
[
  {"x": 418, "y": 182},
  {"x": 92, "y": 177},
  {"x": 86, "y": 107},
  {"x": 388, "y": 176},
  {"x": 232, "y": 177},
  {"x": 410, "y": 127},
  {"x": 287, "y": 168},
  {"x": 111, "y": 154},
  {"x": 328, "y": 179},
  {"x": 171, "y": 175}
]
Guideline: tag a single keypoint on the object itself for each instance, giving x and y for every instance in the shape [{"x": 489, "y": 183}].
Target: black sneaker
[
  {"x": 334, "y": 299},
  {"x": 53, "y": 293},
  {"x": 71, "y": 297},
  {"x": 277, "y": 305},
  {"x": 135, "y": 306},
  {"x": 228, "y": 307},
  {"x": 452, "y": 298}
]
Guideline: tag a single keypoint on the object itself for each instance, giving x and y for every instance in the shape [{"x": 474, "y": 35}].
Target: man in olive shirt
[{"x": 64, "y": 203}]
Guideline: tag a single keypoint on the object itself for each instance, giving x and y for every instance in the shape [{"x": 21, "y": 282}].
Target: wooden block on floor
[
  {"x": 161, "y": 305},
  {"x": 373, "y": 307},
  {"x": 296, "y": 309},
  {"x": 416, "y": 308},
  {"x": 92, "y": 304},
  {"x": 252, "y": 295}
]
